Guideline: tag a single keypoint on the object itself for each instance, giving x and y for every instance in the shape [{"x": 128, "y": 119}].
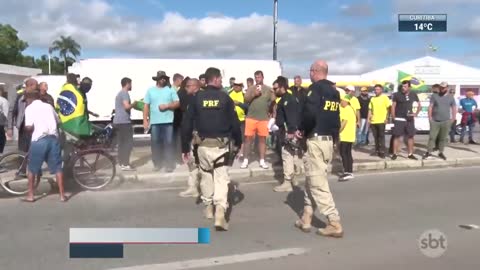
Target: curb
[{"x": 245, "y": 175}]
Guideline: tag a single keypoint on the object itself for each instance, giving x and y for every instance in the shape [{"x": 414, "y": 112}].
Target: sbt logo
[{"x": 433, "y": 243}]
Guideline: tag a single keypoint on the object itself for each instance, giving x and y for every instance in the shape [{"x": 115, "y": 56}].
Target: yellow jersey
[
  {"x": 347, "y": 114},
  {"x": 355, "y": 103},
  {"x": 238, "y": 97},
  {"x": 379, "y": 108}
]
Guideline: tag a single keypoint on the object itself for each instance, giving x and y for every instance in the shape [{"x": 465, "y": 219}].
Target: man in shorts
[
  {"x": 259, "y": 97},
  {"x": 403, "y": 115},
  {"x": 42, "y": 120}
]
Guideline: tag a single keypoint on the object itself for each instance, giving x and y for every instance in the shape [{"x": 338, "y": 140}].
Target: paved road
[{"x": 383, "y": 215}]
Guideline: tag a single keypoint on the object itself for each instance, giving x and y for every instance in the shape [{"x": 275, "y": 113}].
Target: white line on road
[
  {"x": 216, "y": 261},
  {"x": 470, "y": 226}
]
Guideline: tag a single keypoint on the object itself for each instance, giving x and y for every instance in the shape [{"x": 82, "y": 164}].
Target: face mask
[{"x": 85, "y": 87}]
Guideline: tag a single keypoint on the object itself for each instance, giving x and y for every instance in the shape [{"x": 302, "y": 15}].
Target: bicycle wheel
[
  {"x": 93, "y": 170},
  {"x": 13, "y": 176}
]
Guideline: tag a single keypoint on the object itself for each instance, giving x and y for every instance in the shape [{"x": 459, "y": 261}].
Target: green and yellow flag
[
  {"x": 417, "y": 84},
  {"x": 139, "y": 105},
  {"x": 72, "y": 111}
]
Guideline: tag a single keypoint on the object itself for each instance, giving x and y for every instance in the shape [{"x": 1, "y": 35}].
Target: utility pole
[
  {"x": 275, "y": 23},
  {"x": 49, "y": 61}
]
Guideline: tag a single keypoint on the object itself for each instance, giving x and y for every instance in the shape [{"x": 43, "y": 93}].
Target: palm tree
[{"x": 66, "y": 46}]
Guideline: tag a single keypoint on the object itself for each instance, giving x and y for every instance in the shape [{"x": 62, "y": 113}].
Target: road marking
[
  {"x": 216, "y": 261},
  {"x": 469, "y": 226}
]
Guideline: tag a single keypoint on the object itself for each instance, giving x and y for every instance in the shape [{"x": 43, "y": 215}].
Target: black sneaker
[
  {"x": 381, "y": 155},
  {"x": 394, "y": 157},
  {"x": 442, "y": 156},
  {"x": 426, "y": 156},
  {"x": 412, "y": 157},
  {"x": 472, "y": 142}
]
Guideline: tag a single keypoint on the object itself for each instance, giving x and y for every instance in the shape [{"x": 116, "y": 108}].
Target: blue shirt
[
  {"x": 467, "y": 104},
  {"x": 157, "y": 96}
]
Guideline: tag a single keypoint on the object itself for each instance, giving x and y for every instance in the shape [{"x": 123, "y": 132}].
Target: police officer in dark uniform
[
  {"x": 320, "y": 123},
  {"x": 213, "y": 114},
  {"x": 286, "y": 118}
]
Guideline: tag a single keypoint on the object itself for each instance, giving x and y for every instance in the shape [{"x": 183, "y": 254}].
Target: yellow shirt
[
  {"x": 379, "y": 108},
  {"x": 278, "y": 98},
  {"x": 238, "y": 96},
  {"x": 355, "y": 103},
  {"x": 348, "y": 133}
]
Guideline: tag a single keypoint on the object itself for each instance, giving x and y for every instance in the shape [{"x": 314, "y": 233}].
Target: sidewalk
[{"x": 457, "y": 155}]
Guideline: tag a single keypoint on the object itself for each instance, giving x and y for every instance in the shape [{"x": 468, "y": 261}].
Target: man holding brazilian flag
[{"x": 72, "y": 107}]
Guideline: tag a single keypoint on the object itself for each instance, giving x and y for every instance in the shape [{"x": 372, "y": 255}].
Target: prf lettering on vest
[
  {"x": 210, "y": 103},
  {"x": 331, "y": 106}
]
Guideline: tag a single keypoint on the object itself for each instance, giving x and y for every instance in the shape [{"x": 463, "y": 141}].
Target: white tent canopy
[{"x": 429, "y": 69}]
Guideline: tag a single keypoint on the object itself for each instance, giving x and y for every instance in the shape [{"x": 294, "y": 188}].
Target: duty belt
[
  {"x": 214, "y": 142},
  {"x": 316, "y": 136}
]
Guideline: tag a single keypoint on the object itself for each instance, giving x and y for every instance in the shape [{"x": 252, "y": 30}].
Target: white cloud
[
  {"x": 97, "y": 25},
  {"x": 430, "y": 6},
  {"x": 475, "y": 25},
  {"x": 357, "y": 10}
]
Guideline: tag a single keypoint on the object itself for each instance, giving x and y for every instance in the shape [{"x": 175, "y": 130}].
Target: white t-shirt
[{"x": 43, "y": 118}]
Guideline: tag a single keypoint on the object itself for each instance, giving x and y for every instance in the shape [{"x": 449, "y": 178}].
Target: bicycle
[{"x": 13, "y": 166}]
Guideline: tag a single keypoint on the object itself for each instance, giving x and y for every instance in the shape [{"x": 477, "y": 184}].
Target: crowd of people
[{"x": 210, "y": 125}]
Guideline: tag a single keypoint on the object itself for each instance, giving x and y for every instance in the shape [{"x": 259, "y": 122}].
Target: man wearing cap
[
  {"x": 241, "y": 107},
  {"x": 362, "y": 132},
  {"x": 441, "y": 113},
  {"x": 160, "y": 102},
  {"x": 350, "y": 90},
  {"x": 231, "y": 83},
  {"x": 469, "y": 108},
  {"x": 347, "y": 136}
]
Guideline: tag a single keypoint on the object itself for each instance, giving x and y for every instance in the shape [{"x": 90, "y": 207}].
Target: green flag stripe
[{"x": 78, "y": 126}]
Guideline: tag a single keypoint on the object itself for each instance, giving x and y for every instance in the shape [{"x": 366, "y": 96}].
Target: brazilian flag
[
  {"x": 73, "y": 112},
  {"x": 417, "y": 84}
]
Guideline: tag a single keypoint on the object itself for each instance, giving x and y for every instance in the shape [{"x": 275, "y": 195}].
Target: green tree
[
  {"x": 57, "y": 65},
  {"x": 66, "y": 46},
  {"x": 11, "y": 47}
]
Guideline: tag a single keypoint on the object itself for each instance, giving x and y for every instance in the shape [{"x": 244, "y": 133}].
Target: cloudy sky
[{"x": 354, "y": 36}]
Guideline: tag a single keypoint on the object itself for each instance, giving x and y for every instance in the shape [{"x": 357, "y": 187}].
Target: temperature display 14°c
[{"x": 422, "y": 22}]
